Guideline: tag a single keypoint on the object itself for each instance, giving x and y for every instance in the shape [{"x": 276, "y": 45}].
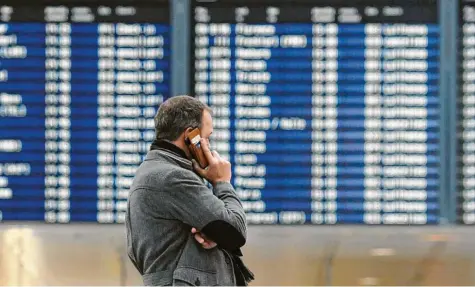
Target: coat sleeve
[{"x": 218, "y": 213}]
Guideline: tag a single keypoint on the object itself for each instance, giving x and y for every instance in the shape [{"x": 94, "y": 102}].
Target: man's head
[{"x": 178, "y": 116}]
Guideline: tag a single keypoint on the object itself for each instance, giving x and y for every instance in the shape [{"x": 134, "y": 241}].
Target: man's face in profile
[{"x": 206, "y": 125}]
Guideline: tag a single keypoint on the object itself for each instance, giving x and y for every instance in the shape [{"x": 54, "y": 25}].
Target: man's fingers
[
  {"x": 216, "y": 154},
  {"x": 206, "y": 239},
  {"x": 198, "y": 168},
  {"x": 209, "y": 244},
  {"x": 203, "y": 240},
  {"x": 199, "y": 238},
  {"x": 206, "y": 151}
]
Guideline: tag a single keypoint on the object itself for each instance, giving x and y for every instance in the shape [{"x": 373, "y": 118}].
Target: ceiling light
[
  {"x": 382, "y": 252},
  {"x": 369, "y": 281}
]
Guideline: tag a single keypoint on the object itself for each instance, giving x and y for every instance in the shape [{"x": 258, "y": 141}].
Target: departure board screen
[
  {"x": 80, "y": 82},
  {"x": 466, "y": 112},
  {"x": 327, "y": 110}
]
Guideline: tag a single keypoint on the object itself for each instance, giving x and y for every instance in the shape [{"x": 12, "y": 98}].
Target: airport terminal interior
[{"x": 349, "y": 126}]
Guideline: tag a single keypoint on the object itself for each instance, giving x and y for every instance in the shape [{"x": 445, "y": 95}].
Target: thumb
[{"x": 198, "y": 168}]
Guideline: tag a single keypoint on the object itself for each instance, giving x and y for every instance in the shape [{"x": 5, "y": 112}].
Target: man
[{"x": 179, "y": 231}]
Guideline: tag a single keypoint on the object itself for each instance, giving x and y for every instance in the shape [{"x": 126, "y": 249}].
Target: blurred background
[
  {"x": 350, "y": 128},
  {"x": 94, "y": 255}
]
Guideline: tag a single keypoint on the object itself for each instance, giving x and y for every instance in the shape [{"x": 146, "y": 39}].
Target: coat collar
[
  {"x": 162, "y": 144},
  {"x": 162, "y": 149}
]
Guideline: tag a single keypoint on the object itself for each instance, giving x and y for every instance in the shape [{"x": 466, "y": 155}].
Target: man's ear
[{"x": 187, "y": 132}]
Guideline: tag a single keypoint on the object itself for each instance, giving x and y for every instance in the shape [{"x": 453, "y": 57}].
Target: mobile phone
[{"x": 194, "y": 145}]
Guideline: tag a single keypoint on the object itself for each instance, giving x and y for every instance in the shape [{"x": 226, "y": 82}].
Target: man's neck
[
  {"x": 171, "y": 146},
  {"x": 181, "y": 145}
]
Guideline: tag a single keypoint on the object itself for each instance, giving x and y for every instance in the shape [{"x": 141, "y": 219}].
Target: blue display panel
[
  {"x": 328, "y": 111},
  {"x": 466, "y": 110},
  {"x": 79, "y": 85}
]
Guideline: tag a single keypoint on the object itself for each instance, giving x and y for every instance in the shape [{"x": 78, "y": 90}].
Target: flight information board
[
  {"x": 466, "y": 110},
  {"x": 80, "y": 82},
  {"x": 327, "y": 110}
]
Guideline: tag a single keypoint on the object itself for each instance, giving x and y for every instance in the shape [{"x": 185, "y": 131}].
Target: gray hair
[{"x": 177, "y": 114}]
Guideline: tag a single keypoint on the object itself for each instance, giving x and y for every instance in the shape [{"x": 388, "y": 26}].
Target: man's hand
[
  {"x": 201, "y": 238},
  {"x": 218, "y": 170}
]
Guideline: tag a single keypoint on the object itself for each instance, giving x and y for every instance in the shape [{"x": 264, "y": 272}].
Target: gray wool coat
[{"x": 167, "y": 198}]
